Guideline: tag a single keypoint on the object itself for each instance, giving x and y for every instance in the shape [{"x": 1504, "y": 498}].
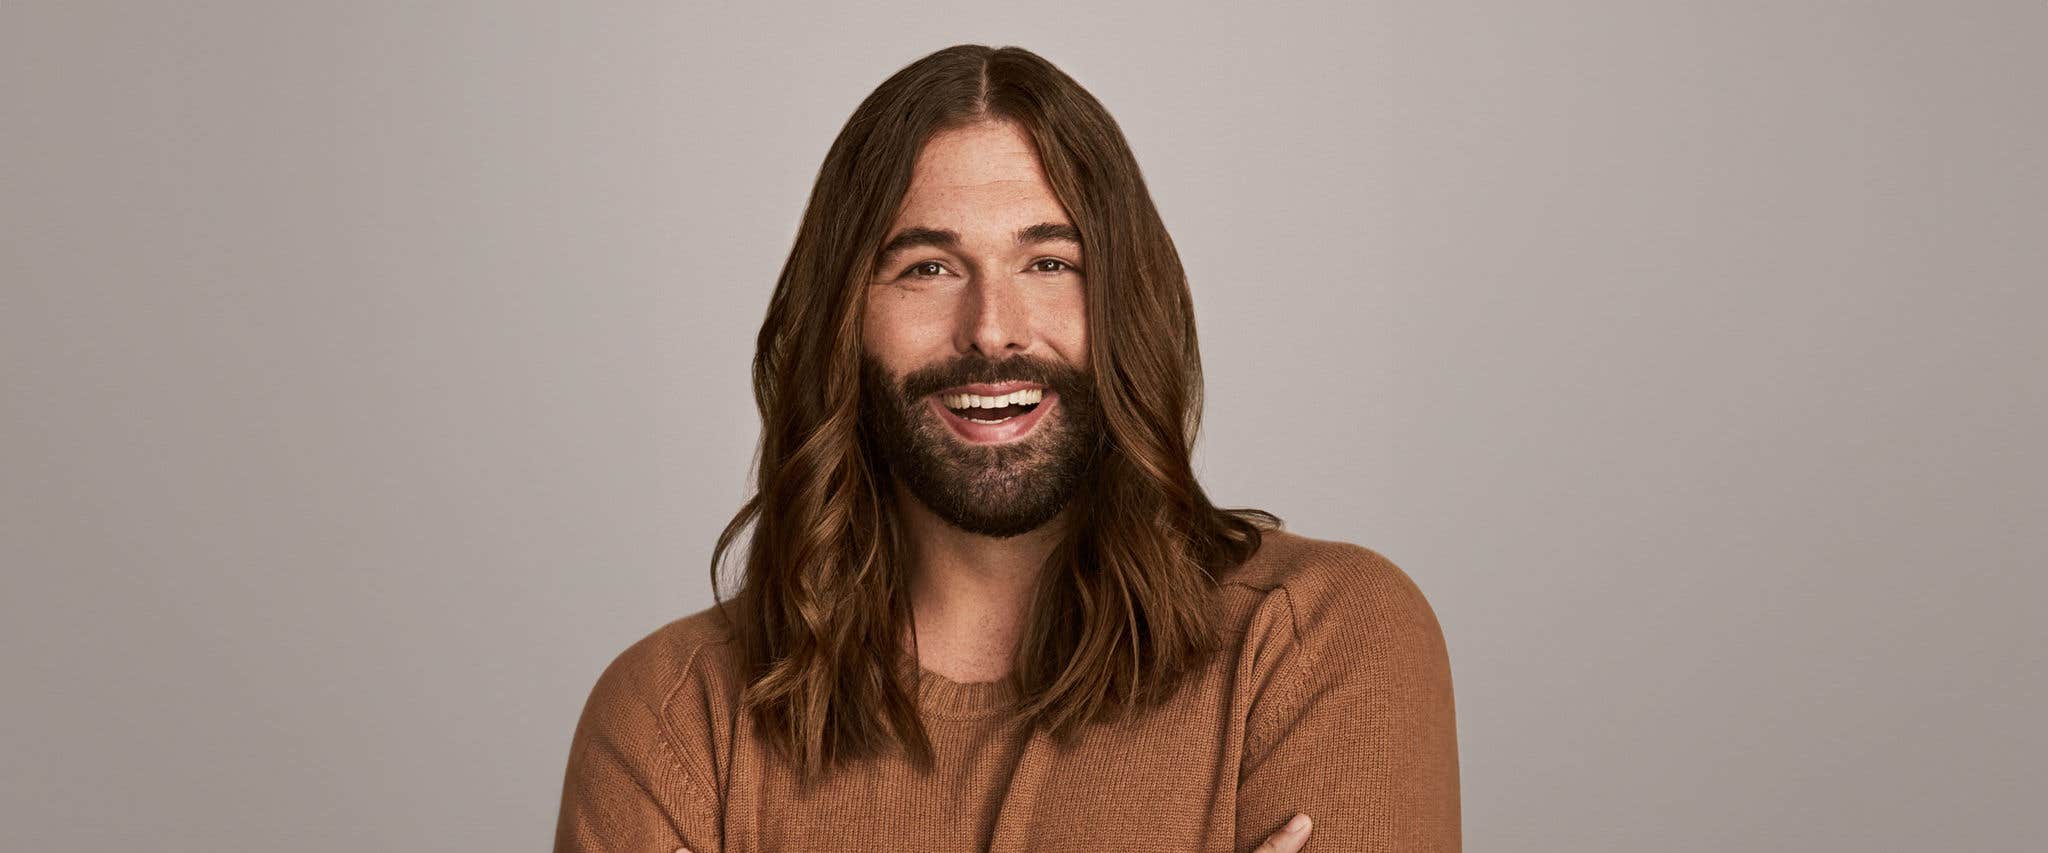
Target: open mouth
[
  {"x": 983, "y": 419},
  {"x": 992, "y": 410}
]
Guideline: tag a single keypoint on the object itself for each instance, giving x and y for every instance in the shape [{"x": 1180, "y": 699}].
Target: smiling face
[{"x": 975, "y": 337}]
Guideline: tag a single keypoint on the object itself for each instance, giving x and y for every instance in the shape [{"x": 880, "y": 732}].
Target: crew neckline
[{"x": 957, "y": 699}]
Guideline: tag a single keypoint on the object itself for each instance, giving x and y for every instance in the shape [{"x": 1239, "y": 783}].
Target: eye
[
  {"x": 1052, "y": 265},
  {"x": 927, "y": 269}
]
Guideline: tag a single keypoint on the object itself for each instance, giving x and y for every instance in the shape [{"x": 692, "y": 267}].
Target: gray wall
[{"x": 374, "y": 372}]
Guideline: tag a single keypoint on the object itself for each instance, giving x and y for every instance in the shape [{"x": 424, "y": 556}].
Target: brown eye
[
  {"x": 927, "y": 269},
  {"x": 1057, "y": 265}
]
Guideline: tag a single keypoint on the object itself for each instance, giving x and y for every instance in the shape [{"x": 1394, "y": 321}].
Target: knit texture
[{"x": 1332, "y": 697}]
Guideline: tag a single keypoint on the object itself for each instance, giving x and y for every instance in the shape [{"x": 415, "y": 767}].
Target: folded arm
[
  {"x": 626, "y": 787},
  {"x": 1358, "y": 729}
]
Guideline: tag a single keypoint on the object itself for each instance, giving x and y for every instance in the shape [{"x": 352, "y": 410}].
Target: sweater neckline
[{"x": 944, "y": 697}]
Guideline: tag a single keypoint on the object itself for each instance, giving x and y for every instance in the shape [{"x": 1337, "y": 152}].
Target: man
[{"x": 986, "y": 606}]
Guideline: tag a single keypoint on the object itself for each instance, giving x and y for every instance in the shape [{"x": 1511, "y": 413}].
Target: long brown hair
[{"x": 1122, "y": 610}]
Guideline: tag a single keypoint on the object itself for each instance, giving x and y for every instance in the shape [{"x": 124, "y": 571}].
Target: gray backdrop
[{"x": 374, "y": 372}]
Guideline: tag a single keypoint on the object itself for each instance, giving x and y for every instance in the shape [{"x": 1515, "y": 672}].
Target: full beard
[{"x": 997, "y": 490}]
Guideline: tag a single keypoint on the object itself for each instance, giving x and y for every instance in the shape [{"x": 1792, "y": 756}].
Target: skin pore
[{"x": 982, "y": 283}]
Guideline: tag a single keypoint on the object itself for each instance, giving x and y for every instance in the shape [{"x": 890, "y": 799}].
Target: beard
[{"x": 998, "y": 490}]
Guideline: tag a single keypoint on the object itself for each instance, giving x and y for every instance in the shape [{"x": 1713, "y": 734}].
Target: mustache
[{"x": 1060, "y": 378}]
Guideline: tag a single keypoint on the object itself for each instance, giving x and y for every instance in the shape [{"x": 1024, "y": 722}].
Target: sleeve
[
  {"x": 627, "y": 787},
  {"x": 1359, "y": 729}
]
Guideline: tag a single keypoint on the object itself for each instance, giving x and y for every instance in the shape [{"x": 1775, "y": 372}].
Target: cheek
[
  {"x": 1069, "y": 329},
  {"x": 888, "y": 316},
  {"x": 896, "y": 325},
  {"x": 873, "y": 320}
]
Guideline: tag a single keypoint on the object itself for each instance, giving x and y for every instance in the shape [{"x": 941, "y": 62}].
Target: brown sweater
[{"x": 1333, "y": 698}]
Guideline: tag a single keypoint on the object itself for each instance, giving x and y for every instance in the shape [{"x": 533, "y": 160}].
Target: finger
[{"x": 1289, "y": 838}]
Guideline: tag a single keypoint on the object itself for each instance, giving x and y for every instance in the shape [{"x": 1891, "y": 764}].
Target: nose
[{"x": 996, "y": 318}]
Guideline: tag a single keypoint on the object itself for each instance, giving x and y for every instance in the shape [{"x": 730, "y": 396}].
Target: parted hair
[{"x": 1123, "y": 607}]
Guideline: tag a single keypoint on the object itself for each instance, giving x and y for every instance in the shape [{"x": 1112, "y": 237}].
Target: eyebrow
[{"x": 942, "y": 238}]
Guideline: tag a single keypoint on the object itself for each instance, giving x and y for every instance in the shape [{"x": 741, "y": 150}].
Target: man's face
[{"x": 979, "y": 295}]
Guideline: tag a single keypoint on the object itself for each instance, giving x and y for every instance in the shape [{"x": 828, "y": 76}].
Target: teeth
[{"x": 977, "y": 401}]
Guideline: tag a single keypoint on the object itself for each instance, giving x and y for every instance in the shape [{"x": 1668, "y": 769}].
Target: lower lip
[{"x": 996, "y": 433}]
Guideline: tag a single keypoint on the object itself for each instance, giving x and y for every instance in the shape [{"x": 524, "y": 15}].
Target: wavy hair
[{"x": 1122, "y": 611}]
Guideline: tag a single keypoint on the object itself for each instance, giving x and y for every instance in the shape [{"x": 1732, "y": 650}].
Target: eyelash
[{"x": 1066, "y": 267}]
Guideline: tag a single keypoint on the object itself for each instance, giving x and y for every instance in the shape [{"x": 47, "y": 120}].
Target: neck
[{"x": 971, "y": 593}]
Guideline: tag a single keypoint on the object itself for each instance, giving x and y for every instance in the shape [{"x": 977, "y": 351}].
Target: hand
[
  {"x": 1289, "y": 838},
  {"x": 1281, "y": 841}
]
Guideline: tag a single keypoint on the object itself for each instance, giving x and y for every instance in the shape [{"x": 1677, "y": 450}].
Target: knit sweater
[{"x": 1332, "y": 697}]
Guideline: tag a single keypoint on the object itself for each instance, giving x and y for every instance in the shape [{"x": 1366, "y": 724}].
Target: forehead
[{"x": 983, "y": 171}]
